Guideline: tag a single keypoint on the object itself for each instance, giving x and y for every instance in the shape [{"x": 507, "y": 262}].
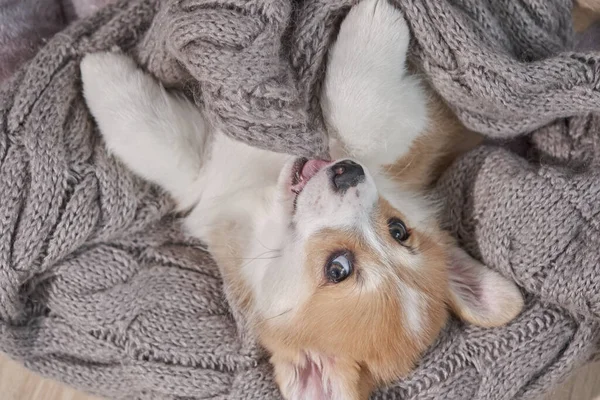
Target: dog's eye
[
  {"x": 339, "y": 268},
  {"x": 398, "y": 230}
]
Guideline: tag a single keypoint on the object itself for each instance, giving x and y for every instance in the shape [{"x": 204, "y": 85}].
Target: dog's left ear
[
  {"x": 479, "y": 295},
  {"x": 316, "y": 377}
]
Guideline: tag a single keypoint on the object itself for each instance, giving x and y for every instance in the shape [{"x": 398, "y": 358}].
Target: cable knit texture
[
  {"x": 99, "y": 288},
  {"x": 25, "y": 25}
]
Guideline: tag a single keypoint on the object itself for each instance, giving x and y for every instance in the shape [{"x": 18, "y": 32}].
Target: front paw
[
  {"x": 378, "y": 29},
  {"x": 113, "y": 88},
  {"x": 102, "y": 72},
  {"x": 370, "y": 100}
]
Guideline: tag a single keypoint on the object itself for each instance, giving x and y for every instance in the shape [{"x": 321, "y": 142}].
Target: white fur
[
  {"x": 376, "y": 111},
  {"x": 500, "y": 300},
  {"x": 311, "y": 386},
  {"x": 413, "y": 308},
  {"x": 368, "y": 98},
  {"x": 157, "y": 134},
  {"x": 164, "y": 138}
]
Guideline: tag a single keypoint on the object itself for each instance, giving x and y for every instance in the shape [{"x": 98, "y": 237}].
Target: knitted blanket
[
  {"x": 99, "y": 288},
  {"x": 26, "y": 24}
]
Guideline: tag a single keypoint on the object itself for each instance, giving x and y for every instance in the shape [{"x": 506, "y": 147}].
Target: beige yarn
[{"x": 98, "y": 287}]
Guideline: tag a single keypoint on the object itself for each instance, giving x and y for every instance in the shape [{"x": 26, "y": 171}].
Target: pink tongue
[{"x": 311, "y": 168}]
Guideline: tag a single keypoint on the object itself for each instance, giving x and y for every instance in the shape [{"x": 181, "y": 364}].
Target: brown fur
[
  {"x": 353, "y": 334},
  {"x": 226, "y": 245},
  {"x": 444, "y": 140}
]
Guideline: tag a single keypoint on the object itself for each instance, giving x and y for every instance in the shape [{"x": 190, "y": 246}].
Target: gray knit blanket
[
  {"x": 26, "y": 24},
  {"x": 100, "y": 289}
]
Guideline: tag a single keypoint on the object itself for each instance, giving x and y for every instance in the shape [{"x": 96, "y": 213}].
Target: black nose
[{"x": 346, "y": 174}]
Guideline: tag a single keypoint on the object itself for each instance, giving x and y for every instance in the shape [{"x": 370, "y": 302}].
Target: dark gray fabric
[{"x": 98, "y": 287}]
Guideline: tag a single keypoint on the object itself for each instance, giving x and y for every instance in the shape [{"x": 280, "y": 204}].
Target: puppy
[{"x": 339, "y": 265}]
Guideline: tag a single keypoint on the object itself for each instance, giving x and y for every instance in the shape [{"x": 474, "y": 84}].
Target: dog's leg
[
  {"x": 369, "y": 100},
  {"x": 158, "y": 135}
]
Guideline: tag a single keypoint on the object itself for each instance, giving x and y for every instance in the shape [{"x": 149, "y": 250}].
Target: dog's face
[{"x": 364, "y": 283}]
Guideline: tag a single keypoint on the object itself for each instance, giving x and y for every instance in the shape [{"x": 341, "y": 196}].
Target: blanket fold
[
  {"x": 498, "y": 63},
  {"x": 232, "y": 54},
  {"x": 556, "y": 228},
  {"x": 100, "y": 289}
]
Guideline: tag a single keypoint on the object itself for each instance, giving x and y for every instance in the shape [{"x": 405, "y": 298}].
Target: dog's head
[{"x": 364, "y": 284}]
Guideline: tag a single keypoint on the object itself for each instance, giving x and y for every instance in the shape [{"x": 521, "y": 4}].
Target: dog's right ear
[
  {"x": 318, "y": 377},
  {"x": 479, "y": 295}
]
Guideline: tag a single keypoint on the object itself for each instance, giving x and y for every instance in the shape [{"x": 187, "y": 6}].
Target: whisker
[
  {"x": 251, "y": 259},
  {"x": 278, "y": 315}
]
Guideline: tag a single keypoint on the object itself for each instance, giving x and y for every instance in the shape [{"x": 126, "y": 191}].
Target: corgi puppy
[{"x": 340, "y": 266}]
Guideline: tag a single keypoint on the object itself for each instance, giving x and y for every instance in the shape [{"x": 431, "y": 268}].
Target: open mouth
[{"x": 302, "y": 172}]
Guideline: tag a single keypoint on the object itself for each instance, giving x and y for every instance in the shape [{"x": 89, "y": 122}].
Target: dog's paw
[
  {"x": 100, "y": 72},
  {"x": 116, "y": 93},
  {"x": 156, "y": 134},
  {"x": 369, "y": 100},
  {"x": 109, "y": 81},
  {"x": 377, "y": 28}
]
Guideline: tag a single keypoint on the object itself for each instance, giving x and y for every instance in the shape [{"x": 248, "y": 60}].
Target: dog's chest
[{"x": 234, "y": 167}]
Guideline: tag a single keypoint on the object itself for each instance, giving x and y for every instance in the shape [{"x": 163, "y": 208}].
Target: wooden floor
[
  {"x": 584, "y": 385},
  {"x": 16, "y": 383}
]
